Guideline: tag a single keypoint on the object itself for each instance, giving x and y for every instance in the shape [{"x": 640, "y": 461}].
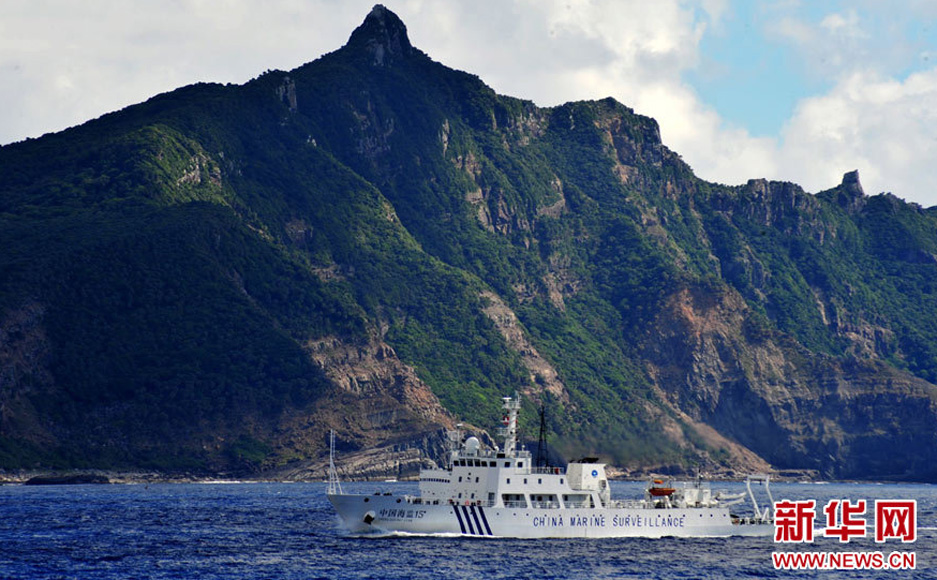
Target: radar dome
[{"x": 471, "y": 445}]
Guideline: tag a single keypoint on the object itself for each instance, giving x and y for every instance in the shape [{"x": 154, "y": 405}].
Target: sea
[{"x": 230, "y": 530}]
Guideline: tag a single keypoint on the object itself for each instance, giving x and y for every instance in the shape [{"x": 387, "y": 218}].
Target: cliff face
[
  {"x": 381, "y": 245},
  {"x": 757, "y": 388}
]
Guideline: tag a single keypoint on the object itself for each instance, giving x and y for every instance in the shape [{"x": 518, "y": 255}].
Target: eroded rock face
[
  {"x": 373, "y": 370},
  {"x": 756, "y": 389},
  {"x": 388, "y": 422},
  {"x": 541, "y": 371}
]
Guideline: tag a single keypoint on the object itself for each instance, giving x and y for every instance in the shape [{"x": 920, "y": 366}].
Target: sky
[{"x": 790, "y": 90}]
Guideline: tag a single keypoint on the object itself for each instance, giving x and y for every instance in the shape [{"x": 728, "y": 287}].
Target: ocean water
[{"x": 288, "y": 531}]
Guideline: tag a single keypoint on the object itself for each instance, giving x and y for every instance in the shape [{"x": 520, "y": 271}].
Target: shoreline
[{"x": 131, "y": 477}]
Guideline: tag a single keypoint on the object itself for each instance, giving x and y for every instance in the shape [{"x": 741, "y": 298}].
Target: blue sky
[
  {"x": 791, "y": 90},
  {"x": 752, "y": 80},
  {"x": 754, "y": 73}
]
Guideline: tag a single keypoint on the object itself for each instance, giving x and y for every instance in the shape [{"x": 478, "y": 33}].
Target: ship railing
[
  {"x": 548, "y": 505},
  {"x": 578, "y": 504},
  {"x": 627, "y": 503},
  {"x": 548, "y": 470},
  {"x": 467, "y": 502}
]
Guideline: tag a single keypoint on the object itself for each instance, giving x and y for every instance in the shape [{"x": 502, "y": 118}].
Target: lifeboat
[{"x": 658, "y": 489}]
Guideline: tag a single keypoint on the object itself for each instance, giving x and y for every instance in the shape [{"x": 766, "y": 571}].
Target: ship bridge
[{"x": 508, "y": 478}]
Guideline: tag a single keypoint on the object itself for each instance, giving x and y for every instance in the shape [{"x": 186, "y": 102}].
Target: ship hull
[{"x": 383, "y": 514}]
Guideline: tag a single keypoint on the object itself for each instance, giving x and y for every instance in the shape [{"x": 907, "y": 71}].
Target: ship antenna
[
  {"x": 542, "y": 459},
  {"x": 334, "y": 484}
]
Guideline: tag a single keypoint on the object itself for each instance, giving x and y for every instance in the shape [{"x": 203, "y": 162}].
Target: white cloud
[
  {"x": 866, "y": 117},
  {"x": 884, "y": 127},
  {"x": 62, "y": 63},
  {"x": 844, "y": 25},
  {"x": 631, "y": 50}
]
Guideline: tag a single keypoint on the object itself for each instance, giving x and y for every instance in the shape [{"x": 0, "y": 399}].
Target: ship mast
[
  {"x": 509, "y": 430},
  {"x": 335, "y": 486},
  {"x": 542, "y": 460},
  {"x": 455, "y": 440}
]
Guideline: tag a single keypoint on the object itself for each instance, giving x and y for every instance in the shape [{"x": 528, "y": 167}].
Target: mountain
[{"x": 211, "y": 280}]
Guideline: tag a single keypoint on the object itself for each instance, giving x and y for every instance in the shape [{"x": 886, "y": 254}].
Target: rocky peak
[
  {"x": 851, "y": 183},
  {"x": 850, "y": 195},
  {"x": 383, "y": 36}
]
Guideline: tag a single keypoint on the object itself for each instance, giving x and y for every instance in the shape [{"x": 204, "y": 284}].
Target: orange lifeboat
[{"x": 659, "y": 490}]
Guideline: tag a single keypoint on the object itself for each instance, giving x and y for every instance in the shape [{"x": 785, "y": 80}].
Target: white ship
[{"x": 498, "y": 492}]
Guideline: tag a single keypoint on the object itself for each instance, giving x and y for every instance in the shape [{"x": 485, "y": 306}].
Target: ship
[{"x": 500, "y": 492}]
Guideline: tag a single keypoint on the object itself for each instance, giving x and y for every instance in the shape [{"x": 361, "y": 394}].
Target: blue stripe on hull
[
  {"x": 481, "y": 512},
  {"x": 478, "y": 524},
  {"x": 455, "y": 508},
  {"x": 468, "y": 520}
]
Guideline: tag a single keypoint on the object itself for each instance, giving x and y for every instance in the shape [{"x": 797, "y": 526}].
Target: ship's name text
[
  {"x": 401, "y": 514},
  {"x": 617, "y": 521}
]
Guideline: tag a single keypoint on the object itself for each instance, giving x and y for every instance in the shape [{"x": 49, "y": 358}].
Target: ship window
[
  {"x": 520, "y": 464},
  {"x": 460, "y": 479},
  {"x": 476, "y": 480},
  {"x": 509, "y": 480},
  {"x": 460, "y": 495},
  {"x": 507, "y": 464},
  {"x": 539, "y": 480},
  {"x": 525, "y": 481},
  {"x": 514, "y": 500},
  {"x": 577, "y": 500},
  {"x": 473, "y": 496},
  {"x": 561, "y": 481}
]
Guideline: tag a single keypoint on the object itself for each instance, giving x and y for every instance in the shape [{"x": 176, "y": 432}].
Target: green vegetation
[{"x": 183, "y": 251}]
